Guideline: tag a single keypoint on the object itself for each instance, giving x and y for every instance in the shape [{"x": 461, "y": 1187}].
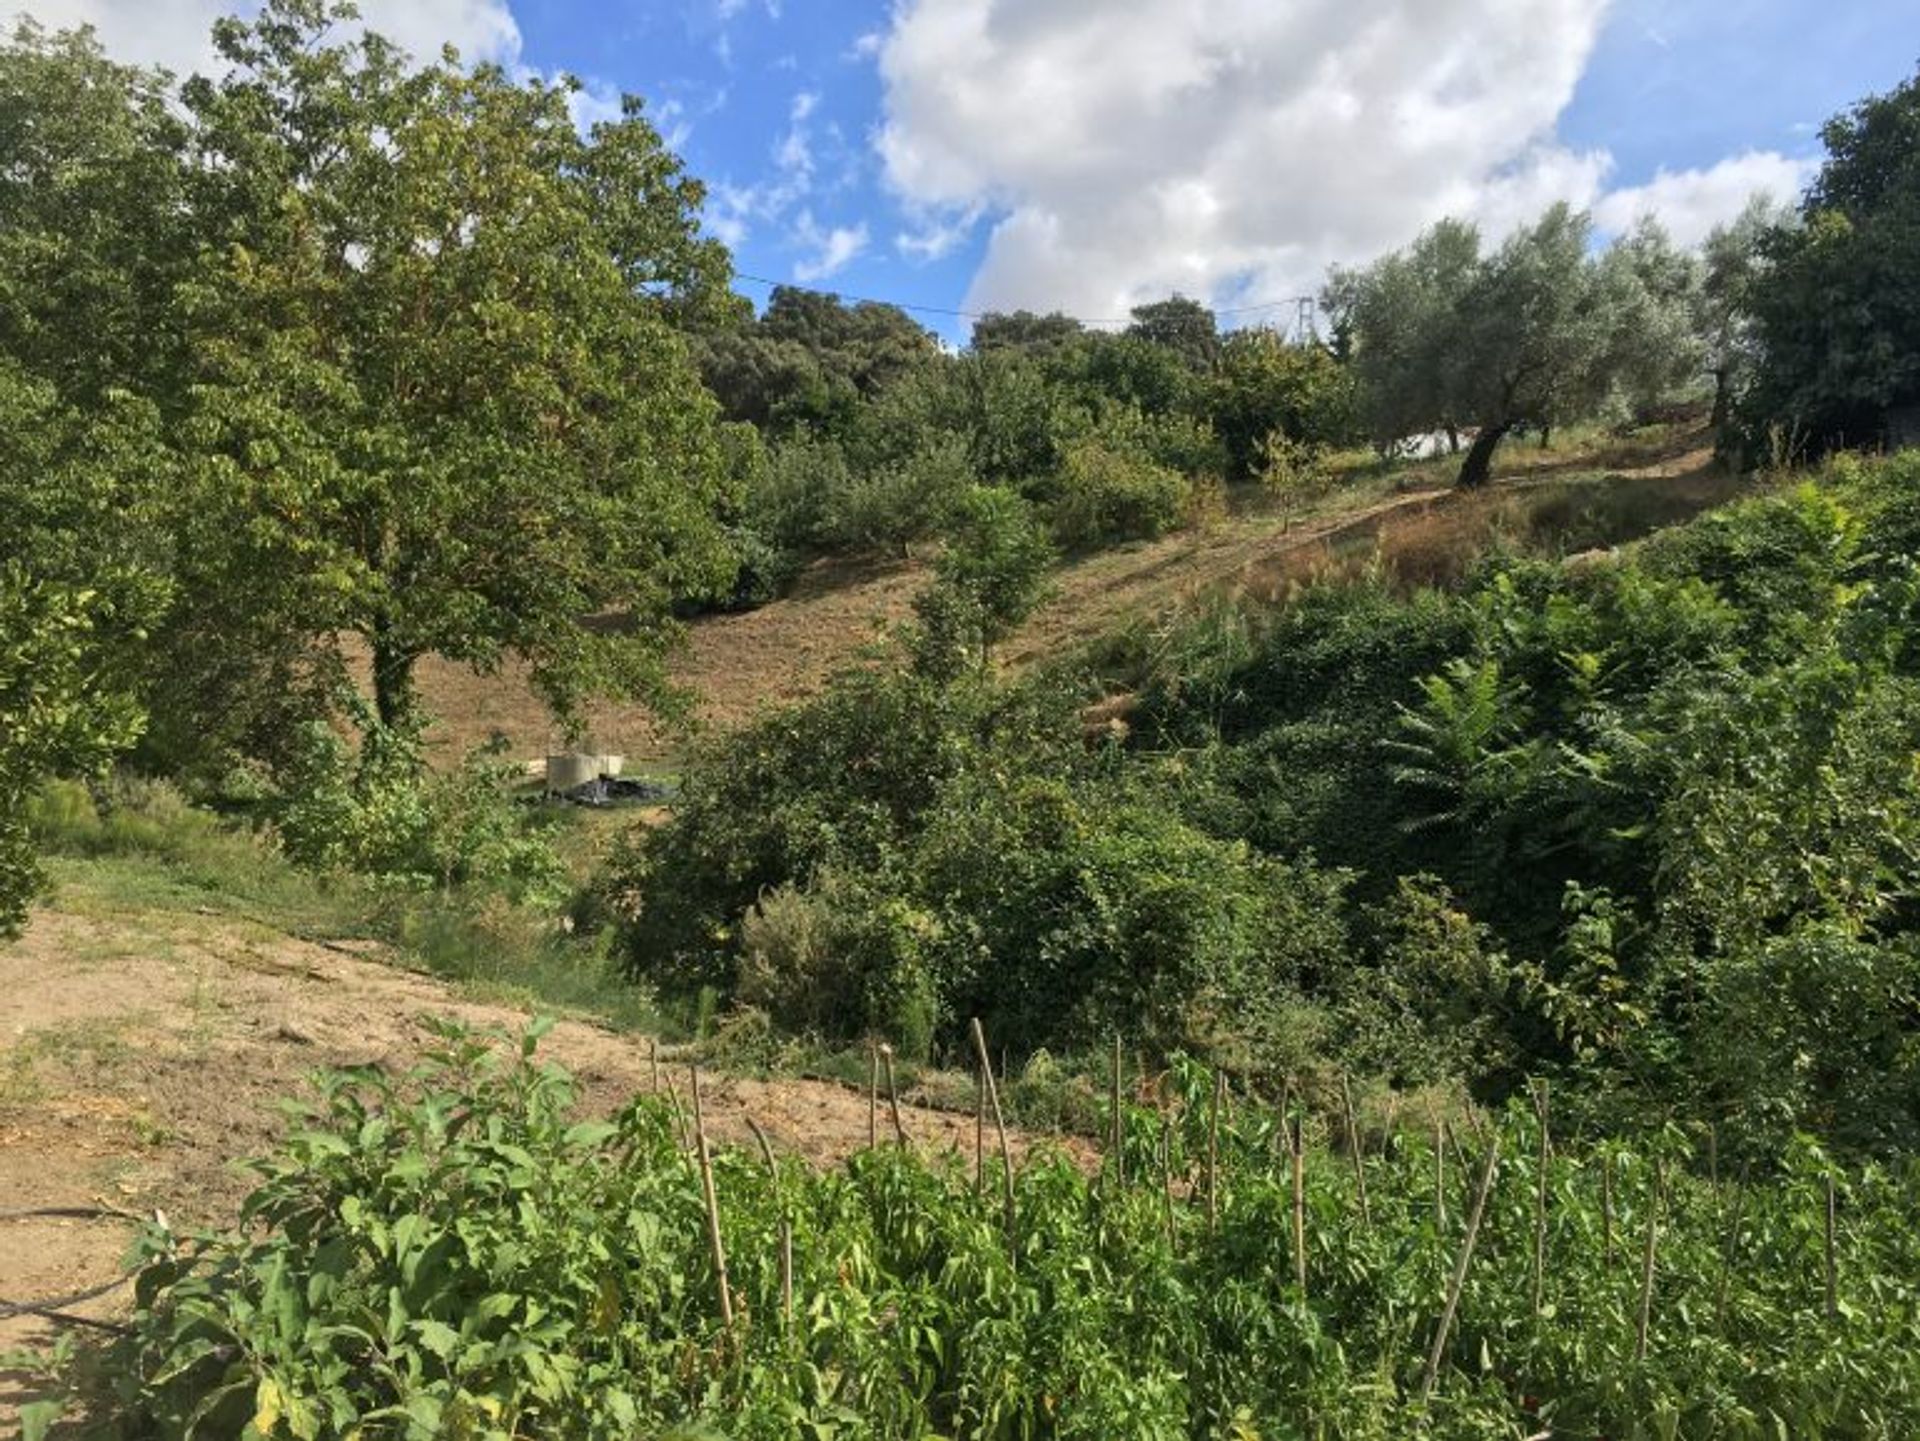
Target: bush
[
  {"x": 1108, "y": 495},
  {"x": 1069, "y": 914},
  {"x": 896, "y": 502},
  {"x": 381, "y": 812},
  {"x": 840, "y": 960}
]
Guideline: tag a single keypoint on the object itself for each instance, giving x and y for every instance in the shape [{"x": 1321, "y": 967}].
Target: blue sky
[{"x": 1089, "y": 154}]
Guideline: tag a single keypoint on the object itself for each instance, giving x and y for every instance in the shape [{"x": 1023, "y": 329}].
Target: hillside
[{"x": 1592, "y": 490}]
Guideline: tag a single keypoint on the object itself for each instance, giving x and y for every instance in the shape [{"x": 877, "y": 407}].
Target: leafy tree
[
  {"x": 1838, "y": 319},
  {"x": 1264, "y": 385},
  {"x": 1022, "y": 330},
  {"x": 987, "y": 580},
  {"x": 812, "y": 361},
  {"x": 1181, "y": 325},
  {"x": 1397, "y": 317},
  {"x": 58, "y": 715},
  {"x": 440, "y": 403},
  {"x": 94, "y": 230},
  {"x": 1732, "y": 269},
  {"x": 1537, "y": 333},
  {"x": 1649, "y": 293}
]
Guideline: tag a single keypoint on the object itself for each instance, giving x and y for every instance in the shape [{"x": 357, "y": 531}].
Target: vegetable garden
[{"x": 453, "y": 1254}]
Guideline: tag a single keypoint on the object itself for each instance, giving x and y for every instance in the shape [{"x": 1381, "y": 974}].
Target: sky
[{"x": 1090, "y": 155}]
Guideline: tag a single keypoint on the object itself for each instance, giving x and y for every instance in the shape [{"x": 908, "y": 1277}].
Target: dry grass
[{"x": 1404, "y": 516}]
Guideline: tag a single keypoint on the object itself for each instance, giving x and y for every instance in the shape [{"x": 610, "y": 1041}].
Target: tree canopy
[
  {"x": 1838, "y": 319},
  {"x": 438, "y": 401}
]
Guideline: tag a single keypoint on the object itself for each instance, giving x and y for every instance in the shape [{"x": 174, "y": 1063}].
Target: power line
[{"x": 1297, "y": 301}]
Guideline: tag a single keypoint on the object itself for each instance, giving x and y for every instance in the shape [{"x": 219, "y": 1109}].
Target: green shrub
[
  {"x": 381, "y": 812},
  {"x": 840, "y": 960},
  {"x": 896, "y": 502},
  {"x": 1109, "y": 494}
]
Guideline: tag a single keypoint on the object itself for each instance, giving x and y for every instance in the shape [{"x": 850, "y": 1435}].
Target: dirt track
[{"x": 141, "y": 1057}]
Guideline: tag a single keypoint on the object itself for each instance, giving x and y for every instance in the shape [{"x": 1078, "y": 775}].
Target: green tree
[
  {"x": 987, "y": 580},
  {"x": 58, "y": 715},
  {"x": 1264, "y": 385},
  {"x": 1731, "y": 272},
  {"x": 1024, "y": 331},
  {"x": 94, "y": 230},
  {"x": 1181, "y": 325},
  {"x": 1838, "y": 319},
  {"x": 1396, "y": 316},
  {"x": 440, "y": 402}
]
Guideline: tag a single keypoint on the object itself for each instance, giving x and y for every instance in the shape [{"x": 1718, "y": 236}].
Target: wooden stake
[
  {"x": 1439, "y": 1183},
  {"x": 1646, "y": 1263},
  {"x": 979, "y": 1131},
  {"x": 1833, "y": 1273},
  {"x": 1000, "y": 1123},
  {"x": 1459, "y": 1281},
  {"x": 1353, "y": 1146},
  {"x": 713, "y": 1205},
  {"x": 1119, "y": 1122},
  {"x": 873, "y": 1096},
  {"x": 1166, "y": 1172},
  {"x": 893, "y": 1099},
  {"x": 1213, "y": 1154},
  {"x": 1732, "y": 1245},
  {"x": 653, "y": 1062},
  {"x": 1606, "y": 1208},
  {"x": 1540, "y": 1203},
  {"x": 786, "y": 1226},
  {"x": 1299, "y": 1147}
]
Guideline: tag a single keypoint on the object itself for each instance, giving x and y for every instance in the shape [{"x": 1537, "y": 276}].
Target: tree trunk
[
  {"x": 1546, "y": 435},
  {"x": 1453, "y": 438},
  {"x": 1478, "y": 466},
  {"x": 1722, "y": 406},
  {"x": 392, "y": 676}
]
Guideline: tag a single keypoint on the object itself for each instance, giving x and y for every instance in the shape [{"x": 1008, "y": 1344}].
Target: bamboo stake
[
  {"x": 1646, "y": 1263},
  {"x": 1439, "y": 1183},
  {"x": 893, "y": 1099},
  {"x": 1606, "y": 1208},
  {"x": 1459, "y": 1281},
  {"x": 979, "y": 1132},
  {"x": 1299, "y": 1147},
  {"x": 1119, "y": 1124},
  {"x": 1732, "y": 1244},
  {"x": 1833, "y": 1274},
  {"x": 1213, "y": 1155},
  {"x": 873, "y": 1096},
  {"x": 1166, "y": 1172},
  {"x": 1453, "y": 1143},
  {"x": 1540, "y": 1203},
  {"x": 713, "y": 1205},
  {"x": 786, "y": 1226},
  {"x": 1353, "y": 1146},
  {"x": 1000, "y": 1123},
  {"x": 653, "y": 1062}
]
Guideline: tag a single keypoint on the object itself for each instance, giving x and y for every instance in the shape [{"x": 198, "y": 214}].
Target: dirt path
[{"x": 141, "y": 1057}]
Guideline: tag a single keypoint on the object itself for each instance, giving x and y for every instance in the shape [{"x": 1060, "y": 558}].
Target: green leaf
[{"x": 36, "y": 1417}]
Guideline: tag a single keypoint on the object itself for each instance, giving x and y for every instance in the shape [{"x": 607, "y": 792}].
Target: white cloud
[
  {"x": 832, "y": 249},
  {"x": 1231, "y": 147},
  {"x": 936, "y": 235},
  {"x": 1689, "y": 203},
  {"x": 174, "y": 33}
]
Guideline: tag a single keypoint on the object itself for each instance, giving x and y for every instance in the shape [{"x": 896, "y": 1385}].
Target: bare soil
[
  {"x": 845, "y": 612},
  {"x": 141, "y": 1057}
]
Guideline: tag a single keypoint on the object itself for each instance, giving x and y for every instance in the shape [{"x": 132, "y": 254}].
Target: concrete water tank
[{"x": 571, "y": 771}]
